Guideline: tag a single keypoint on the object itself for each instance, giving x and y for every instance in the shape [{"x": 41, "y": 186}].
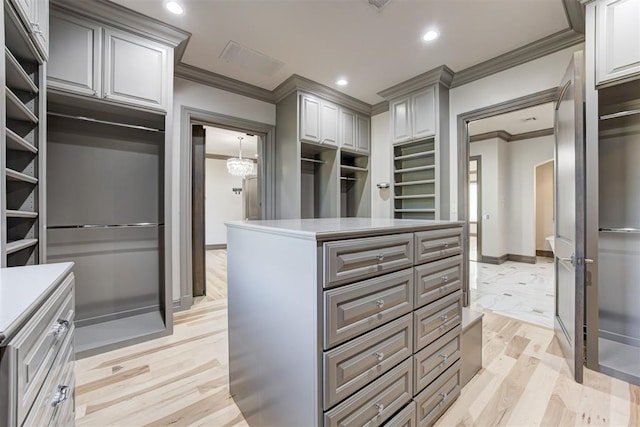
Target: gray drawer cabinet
[
  {"x": 437, "y": 318},
  {"x": 436, "y": 358},
  {"x": 437, "y": 244},
  {"x": 435, "y": 399},
  {"x": 437, "y": 279},
  {"x": 404, "y": 418}
]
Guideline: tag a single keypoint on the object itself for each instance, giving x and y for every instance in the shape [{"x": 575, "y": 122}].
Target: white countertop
[
  {"x": 332, "y": 228},
  {"x": 22, "y": 288}
]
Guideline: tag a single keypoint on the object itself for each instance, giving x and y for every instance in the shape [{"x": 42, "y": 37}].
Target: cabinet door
[
  {"x": 23, "y": 8},
  {"x": 74, "y": 65},
  {"x": 347, "y": 129},
  {"x": 618, "y": 40},
  {"x": 364, "y": 133},
  {"x": 400, "y": 120},
  {"x": 310, "y": 119},
  {"x": 135, "y": 70},
  {"x": 329, "y": 123},
  {"x": 39, "y": 14},
  {"x": 424, "y": 113}
]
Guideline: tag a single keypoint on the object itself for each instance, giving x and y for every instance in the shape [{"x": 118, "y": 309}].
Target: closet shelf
[
  {"x": 19, "y": 176},
  {"x": 415, "y": 196},
  {"x": 423, "y": 181},
  {"x": 304, "y": 159},
  {"x": 21, "y": 214},
  {"x": 353, "y": 168},
  {"x": 620, "y": 230},
  {"x": 416, "y": 210},
  {"x": 415, "y": 169},
  {"x": 17, "y": 77},
  {"x": 18, "y": 245},
  {"x": 426, "y": 140},
  {"x": 17, "y": 110},
  {"x": 415, "y": 155},
  {"x": 16, "y": 142}
]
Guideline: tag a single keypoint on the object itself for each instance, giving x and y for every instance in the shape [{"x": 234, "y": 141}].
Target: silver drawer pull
[
  {"x": 444, "y": 356},
  {"x": 380, "y": 257},
  {"x": 444, "y": 396},
  {"x": 379, "y": 406},
  {"x": 445, "y": 279},
  {"x": 379, "y": 355},
  {"x": 444, "y": 317},
  {"x": 380, "y": 303},
  {"x": 61, "y": 396},
  {"x": 60, "y": 327}
]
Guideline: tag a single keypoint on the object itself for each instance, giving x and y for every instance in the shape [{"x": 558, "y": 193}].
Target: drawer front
[
  {"x": 350, "y": 260},
  {"x": 377, "y": 402},
  {"x": 437, "y": 279},
  {"x": 352, "y": 310},
  {"x": 353, "y": 365},
  {"x": 37, "y": 344},
  {"x": 55, "y": 401},
  {"x": 436, "y": 244},
  {"x": 436, "y": 358},
  {"x": 405, "y": 418},
  {"x": 436, "y": 398},
  {"x": 436, "y": 319}
]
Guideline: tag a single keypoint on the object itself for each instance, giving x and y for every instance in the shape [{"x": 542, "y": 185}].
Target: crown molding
[
  {"x": 575, "y": 15},
  {"x": 506, "y": 136},
  {"x": 121, "y": 17},
  {"x": 208, "y": 78},
  {"x": 537, "y": 49},
  {"x": 379, "y": 108},
  {"x": 299, "y": 83},
  {"x": 533, "y": 134},
  {"x": 442, "y": 74}
]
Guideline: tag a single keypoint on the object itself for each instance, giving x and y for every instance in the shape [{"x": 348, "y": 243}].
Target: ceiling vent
[
  {"x": 249, "y": 59},
  {"x": 379, "y": 4}
]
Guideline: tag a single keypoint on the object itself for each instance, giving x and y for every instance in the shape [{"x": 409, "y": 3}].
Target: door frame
[
  {"x": 266, "y": 152},
  {"x": 478, "y": 159},
  {"x": 537, "y": 98}
]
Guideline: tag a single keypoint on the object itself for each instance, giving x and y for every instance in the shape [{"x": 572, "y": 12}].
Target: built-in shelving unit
[
  {"x": 318, "y": 181},
  {"x": 415, "y": 183},
  {"x": 354, "y": 184},
  {"x": 23, "y": 130}
]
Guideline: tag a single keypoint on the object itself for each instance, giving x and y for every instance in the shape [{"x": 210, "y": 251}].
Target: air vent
[
  {"x": 378, "y": 4},
  {"x": 249, "y": 59}
]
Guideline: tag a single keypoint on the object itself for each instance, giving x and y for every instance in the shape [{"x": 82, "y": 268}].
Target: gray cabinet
[
  {"x": 329, "y": 123},
  {"x": 77, "y": 49},
  {"x": 617, "y": 40},
  {"x": 95, "y": 60},
  {"x": 347, "y": 129},
  {"x": 413, "y": 116},
  {"x": 400, "y": 119},
  {"x": 318, "y": 121},
  {"x": 364, "y": 134}
]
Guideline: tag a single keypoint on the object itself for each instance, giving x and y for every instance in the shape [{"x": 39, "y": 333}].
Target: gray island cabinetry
[{"x": 344, "y": 322}]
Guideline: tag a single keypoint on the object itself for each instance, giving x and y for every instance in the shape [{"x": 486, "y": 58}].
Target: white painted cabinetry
[
  {"x": 364, "y": 134},
  {"x": 400, "y": 119},
  {"x": 618, "y": 40},
  {"x": 413, "y": 116},
  {"x": 347, "y": 129}
]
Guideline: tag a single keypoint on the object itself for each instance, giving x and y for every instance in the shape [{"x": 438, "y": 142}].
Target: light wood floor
[{"x": 181, "y": 380}]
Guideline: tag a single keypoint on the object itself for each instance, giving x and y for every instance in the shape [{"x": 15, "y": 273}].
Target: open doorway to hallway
[{"x": 511, "y": 224}]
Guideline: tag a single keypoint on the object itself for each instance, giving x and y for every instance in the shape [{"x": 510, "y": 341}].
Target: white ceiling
[
  {"x": 515, "y": 122},
  {"x": 326, "y": 39},
  {"x": 225, "y": 142}
]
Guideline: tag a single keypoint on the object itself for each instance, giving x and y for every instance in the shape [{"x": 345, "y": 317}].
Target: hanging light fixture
[{"x": 237, "y": 166}]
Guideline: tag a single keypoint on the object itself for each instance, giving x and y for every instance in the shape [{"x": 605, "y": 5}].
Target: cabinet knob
[
  {"x": 379, "y": 406},
  {"x": 445, "y": 279},
  {"x": 380, "y": 257},
  {"x": 380, "y": 303},
  {"x": 60, "y": 327},
  {"x": 444, "y": 317},
  {"x": 379, "y": 355},
  {"x": 61, "y": 396},
  {"x": 444, "y": 356}
]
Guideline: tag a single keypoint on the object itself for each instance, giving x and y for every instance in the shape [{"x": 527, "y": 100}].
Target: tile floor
[{"x": 514, "y": 289}]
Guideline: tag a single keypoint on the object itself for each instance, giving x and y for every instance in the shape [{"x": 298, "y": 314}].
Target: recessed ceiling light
[
  {"x": 342, "y": 82},
  {"x": 174, "y": 7},
  {"x": 430, "y": 35}
]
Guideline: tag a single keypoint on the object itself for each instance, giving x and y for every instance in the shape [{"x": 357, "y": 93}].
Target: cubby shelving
[{"x": 415, "y": 179}]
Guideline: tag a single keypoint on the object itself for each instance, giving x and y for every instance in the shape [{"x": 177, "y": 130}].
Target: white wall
[
  {"x": 194, "y": 95},
  {"x": 544, "y": 206},
  {"x": 221, "y": 203},
  {"x": 380, "y": 166},
  {"x": 523, "y": 156},
  {"x": 525, "y": 79}
]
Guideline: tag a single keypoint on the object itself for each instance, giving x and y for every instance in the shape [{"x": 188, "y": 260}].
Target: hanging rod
[
  {"x": 105, "y": 122},
  {"x": 346, "y": 178},
  {"x": 304, "y": 159},
  {"x": 620, "y": 114},
  {"x": 620, "y": 230},
  {"x": 81, "y": 226}
]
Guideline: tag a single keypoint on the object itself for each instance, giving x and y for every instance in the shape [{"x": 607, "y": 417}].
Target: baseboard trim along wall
[
  {"x": 493, "y": 260},
  {"x": 216, "y": 246},
  {"x": 115, "y": 316},
  {"x": 508, "y": 257},
  {"x": 546, "y": 254}
]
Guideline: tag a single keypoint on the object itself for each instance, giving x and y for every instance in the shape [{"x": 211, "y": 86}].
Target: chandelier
[{"x": 237, "y": 166}]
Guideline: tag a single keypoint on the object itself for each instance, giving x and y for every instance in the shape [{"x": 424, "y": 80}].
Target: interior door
[
  {"x": 197, "y": 211},
  {"x": 570, "y": 215}
]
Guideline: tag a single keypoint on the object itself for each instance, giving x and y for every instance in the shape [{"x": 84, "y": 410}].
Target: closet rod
[
  {"x": 621, "y": 230},
  {"x": 104, "y": 122},
  {"x": 620, "y": 114},
  {"x": 346, "y": 178},
  {"x": 132, "y": 225},
  {"x": 304, "y": 159}
]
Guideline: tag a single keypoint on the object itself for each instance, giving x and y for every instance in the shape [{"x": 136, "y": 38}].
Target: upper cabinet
[
  {"x": 93, "y": 60},
  {"x": 363, "y": 134},
  {"x": 413, "y": 116},
  {"x": 617, "y": 40},
  {"x": 348, "y": 129},
  {"x": 35, "y": 15}
]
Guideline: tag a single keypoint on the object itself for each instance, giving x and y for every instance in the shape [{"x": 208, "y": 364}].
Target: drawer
[
  {"x": 353, "y": 365},
  {"x": 436, "y": 244},
  {"x": 435, "y": 399},
  {"x": 358, "y": 308},
  {"x": 35, "y": 347},
  {"x": 404, "y": 418},
  {"x": 437, "y": 279},
  {"x": 377, "y": 402},
  {"x": 59, "y": 387},
  {"x": 436, "y": 319},
  {"x": 436, "y": 358},
  {"x": 350, "y": 260}
]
